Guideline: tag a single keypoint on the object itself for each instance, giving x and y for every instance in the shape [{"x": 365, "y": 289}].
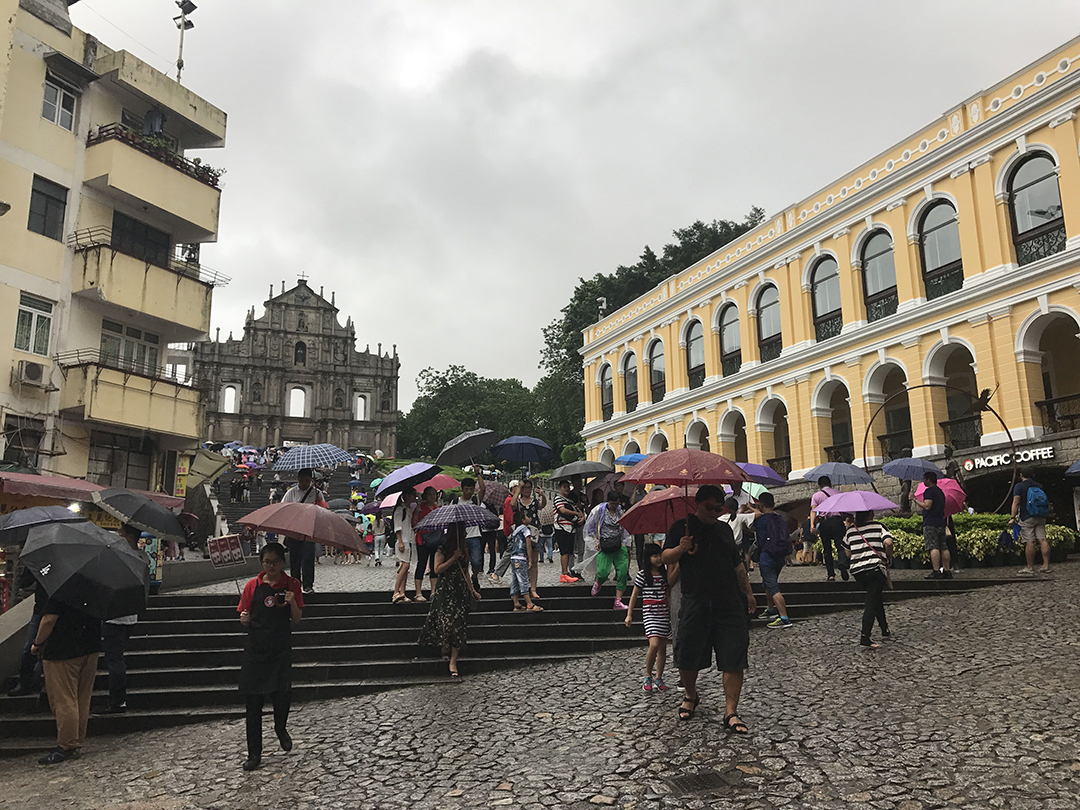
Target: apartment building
[
  {"x": 862, "y": 323},
  {"x": 101, "y": 219}
]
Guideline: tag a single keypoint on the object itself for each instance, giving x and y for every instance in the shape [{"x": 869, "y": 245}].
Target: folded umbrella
[
  {"x": 760, "y": 474},
  {"x": 14, "y": 526},
  {"x": 955, "y": 497},
  {"x": 468, "y": 514},
  {"x": 141, "y": 512},
  {"x": 305, "y": 521},
  {"x": 839, "y": 473},
  {"x": 466, "y": 446},
  {"x": 312, "y": 456},
  {"x": 911, "y": 469},
  {"x": 859, "y": 500},
  {"x": 522, "y": 449},
  {"x": 586, "y": 469},
  {"x": 659, "y": 509},
  {"x": 88, "y": 568},
  {"x": 411, "y": 475}
]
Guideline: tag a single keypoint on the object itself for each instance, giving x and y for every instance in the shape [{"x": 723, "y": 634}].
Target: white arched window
[
  {"x": 1035, "y": 204},
  {"x": 770, "y": 339},
  {"x": 825, "y": 292},
  {"x": 607, "y": 394},
  {"x": 879, "y": 277},
  {"x": 361, "y": 408},
  {"x": 695, "y": 355},
  {"x": 297, "y": 402},
  {"x": 230, "y": 401},
  {"x": 939, "y": 247}
]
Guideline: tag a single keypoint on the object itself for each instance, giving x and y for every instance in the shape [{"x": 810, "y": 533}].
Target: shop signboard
[
  {"x": 183, "y": 467},
  {"x": 993, "y": 460},
  {"x": 225, "y": 551}
]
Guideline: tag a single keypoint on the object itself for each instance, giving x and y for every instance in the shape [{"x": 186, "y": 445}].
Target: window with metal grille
[
  {"x": 730, "y": 341},
  {"x": 1038, "y": 221},
  {"x": 607, "y": 393},
  {"x": 770, "y": 340},
  {"x": 657, "y": 379},
  {"x": 939, "y": 246},
  {"x": 141, "y": 240},
  {"x": 825, "y": 293},
  {"x": 630, "y": 387},
  {"x": 879, "y": 277}
]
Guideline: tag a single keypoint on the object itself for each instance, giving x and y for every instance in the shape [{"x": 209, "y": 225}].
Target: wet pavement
[{"x": 973, "y": 704}]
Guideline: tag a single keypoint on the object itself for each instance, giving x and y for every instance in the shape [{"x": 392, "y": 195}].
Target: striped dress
[
  {"x": 654, "y": 606},
  {"x": 866, "y": 547}
]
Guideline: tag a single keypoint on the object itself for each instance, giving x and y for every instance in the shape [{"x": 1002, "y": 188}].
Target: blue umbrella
[
  {"x": 760, "y": 474},
  {"x": 311, "y": 456},
  {"x": 911, "y": 469},
  {"x": 356, "y": 484},
  {"x": 630, "y": 460},
  {"x": 233, "y": 445},
  {"x": 404, "y": 477},
  {"x": 1074, "y": 469},
  {"x": 839, "y": 473},
  {"x": 522, "y": 449}
]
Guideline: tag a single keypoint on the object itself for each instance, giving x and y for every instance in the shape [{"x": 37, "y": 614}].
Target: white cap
[{"x": 515, "y": 483}]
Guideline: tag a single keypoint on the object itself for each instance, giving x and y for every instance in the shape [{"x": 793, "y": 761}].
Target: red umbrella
[
  {"x": 955, "y": 496},
  {"x": 659, "y": 509},
  {"x": 441, "y": 482},
  {"x": 305, "y": 521},
  {"x": 685, "y": 467},
  {"x": 495, "y": 495}
]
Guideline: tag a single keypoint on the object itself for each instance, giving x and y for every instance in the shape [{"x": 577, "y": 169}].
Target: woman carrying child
[{"x": 652, "y": 585}]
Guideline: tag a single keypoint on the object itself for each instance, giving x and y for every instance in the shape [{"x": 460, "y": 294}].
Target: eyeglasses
[
  {"x": 273, "y": 561},
  {"x": 712, "y": 506}
]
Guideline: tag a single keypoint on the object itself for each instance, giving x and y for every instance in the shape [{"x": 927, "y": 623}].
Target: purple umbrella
[
  {"x": 468, "y": 513},
  {"x": 760, "y": 474},
  {"x": 859, "y": 500},
  {"x": 404, "y": 477}
]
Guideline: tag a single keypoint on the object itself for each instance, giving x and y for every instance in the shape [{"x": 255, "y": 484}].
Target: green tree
[{"x": 560, "y": 392}]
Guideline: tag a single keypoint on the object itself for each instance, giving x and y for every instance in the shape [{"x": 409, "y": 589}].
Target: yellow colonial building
[
  {"x": 101, "y": 218},
  {"x": 950, "y": 260}
]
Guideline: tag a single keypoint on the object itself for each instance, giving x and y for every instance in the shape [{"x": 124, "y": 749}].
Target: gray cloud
[{"x": 451, "y": 169}]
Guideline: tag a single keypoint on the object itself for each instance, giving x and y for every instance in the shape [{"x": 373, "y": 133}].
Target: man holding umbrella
[
  {"x": 115, "y": 634},
  {"x": 302, "y": 553}
]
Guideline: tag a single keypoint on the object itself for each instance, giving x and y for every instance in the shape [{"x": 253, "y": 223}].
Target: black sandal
[
  {"x": 737, "y": 727},
  {"x": 688, "y": 714}
]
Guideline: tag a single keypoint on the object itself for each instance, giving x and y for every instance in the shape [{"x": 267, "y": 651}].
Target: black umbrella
[
  {"x": 466, "y": 446},
  {"x": 340, "y": 503},
  {"x": 141, "y": 512},
  {"x": 586, "y": 469},
  {"x": 88, "y": 568},
  {"x": 14, "y": 527}
]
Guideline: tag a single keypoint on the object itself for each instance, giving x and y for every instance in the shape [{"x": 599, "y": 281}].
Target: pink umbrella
[
  {"x": 305, "y": 521},
  {"x": 659, "y": 509},
  {"x": 859, "y": 500},
  {"x": 441, "y": 482},
  {"x": 955, "y": 497},
  {"x": 390, "y": 501}
]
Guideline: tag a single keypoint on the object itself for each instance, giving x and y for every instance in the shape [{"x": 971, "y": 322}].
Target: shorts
[
  {"x": 406, "y": 556},
  {"x": 565, "y": 541},
  {"x": 703, "y": 630},
  {"x": 519, "y": 577},
  {"x": 934, "y": 538},
  {"x": 1032, "y": 529},
  {"x": 770, "y": 578}
]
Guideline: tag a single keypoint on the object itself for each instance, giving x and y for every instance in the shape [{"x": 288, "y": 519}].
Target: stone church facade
[{"x": 296, "y": 377}]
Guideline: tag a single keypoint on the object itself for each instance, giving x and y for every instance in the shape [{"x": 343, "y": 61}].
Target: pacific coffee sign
[{"x": 1005, "y": 459}]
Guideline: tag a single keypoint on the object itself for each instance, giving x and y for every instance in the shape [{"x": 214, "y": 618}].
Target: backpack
[
  {"x": 1037, "y": 504},
  {"x": 608, "y": 545},
  {"x": 772, "y": 535}
]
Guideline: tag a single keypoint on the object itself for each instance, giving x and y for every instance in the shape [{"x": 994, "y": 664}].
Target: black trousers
[
  {"x": 282, "y": 702},
  {"x": 425, "y": 562},
  {"x": 639, "y": 549},
  {"x": 874, "y": 607},
  {"x": 114, "y": 639},
  {"x": 831, "y": 535},
  {"x": 491, "y": 543},
  {"x": 302, "y": 561}
]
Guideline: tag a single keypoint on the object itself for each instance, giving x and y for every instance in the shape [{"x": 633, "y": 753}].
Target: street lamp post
[{"x": 184, "y": 24}]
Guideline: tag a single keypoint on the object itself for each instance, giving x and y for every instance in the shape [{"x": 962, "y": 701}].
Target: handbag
[{"x": 884, "y": 563}]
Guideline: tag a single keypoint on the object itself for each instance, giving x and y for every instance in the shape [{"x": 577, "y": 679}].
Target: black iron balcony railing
[
  {"x": 1042, "y": 242},
  {"x": 781, "y": 465},
  {"x": 731, "y": 363},
  {"x": 102, "y": 237},
  {"x": 963, "y": 433},
  {"x": 770, "y": 348},
  {"x": 1060, "y": 414},
  {"x": 158, "y": 148},
  {"x": 944, "y": 280},
  {"x": 606, "y": 410},
  {"x": 631, "y": 402},
  {"x": 95, "y": 357},
  {"x": 882, "y": 305},
  {"x": 896, "y": 445},
  {"x": 841, "y": 452},
  {"x": 828, "y": 327},
  {"x": 695, "y": 377}
]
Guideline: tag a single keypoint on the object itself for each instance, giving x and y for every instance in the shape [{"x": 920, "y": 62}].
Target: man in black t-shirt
[
  {"x": 69, "y": 642},
  {"x": 932, "y": 504},
  {"x": 717, "y": 603}
]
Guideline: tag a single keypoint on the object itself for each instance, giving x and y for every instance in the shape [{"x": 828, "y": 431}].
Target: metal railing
[
  {"x": 101, "y": 237},
  {"x": 828, "y": 327},
  {"x": 95, "y": 357},
  {"x": 695, "y": 377},
  {"x": 770, "y": 348},
  {"x": 841, "y": 452},
  {"x": 964, "y": 432},
  {"x": 1060, "y": 414},
  {"x": 781, "y": 465},
  {"x": 159, "y": 149},
  {"x": 1047, "y": 240},
  {"x": 944, "y": 280},
  {"x": 731, "y": 362}
]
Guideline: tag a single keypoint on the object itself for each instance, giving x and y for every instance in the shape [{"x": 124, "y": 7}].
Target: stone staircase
[{"x": 184, "y": 657}]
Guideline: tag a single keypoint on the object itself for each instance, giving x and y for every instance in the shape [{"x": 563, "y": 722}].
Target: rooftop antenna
[{"x": 184, "y": 24}]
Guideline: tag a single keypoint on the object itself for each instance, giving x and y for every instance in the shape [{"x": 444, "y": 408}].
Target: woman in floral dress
[{"x": 452, "y": 599}]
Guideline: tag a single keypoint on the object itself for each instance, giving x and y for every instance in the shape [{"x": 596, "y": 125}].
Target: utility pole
[{"x": 184, "y": 24}]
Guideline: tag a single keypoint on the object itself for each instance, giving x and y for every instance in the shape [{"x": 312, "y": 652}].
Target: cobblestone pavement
[{"x": 974, "y": 704}]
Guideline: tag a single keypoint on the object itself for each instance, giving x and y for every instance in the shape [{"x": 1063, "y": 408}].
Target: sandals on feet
[
  {"x": 688, "y": 713},
  {"x": 733, "y": 725},
  {"x": 534, "y": 608}
]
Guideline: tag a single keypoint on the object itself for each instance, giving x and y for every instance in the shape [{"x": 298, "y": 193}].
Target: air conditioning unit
[{"x": 35, "y": 374}]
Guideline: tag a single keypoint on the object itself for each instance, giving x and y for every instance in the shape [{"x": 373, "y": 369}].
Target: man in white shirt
[
  {"x": 406, "y": 542},
  {"x": 301, "y": 552},
  {"x": 740, "y": 519}
]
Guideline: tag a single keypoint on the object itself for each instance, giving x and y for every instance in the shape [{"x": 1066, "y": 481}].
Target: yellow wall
[{"x": 110, "y": 397}]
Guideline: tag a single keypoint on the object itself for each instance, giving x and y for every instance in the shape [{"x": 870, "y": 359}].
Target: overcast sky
[{"x": 452, "y": 168}]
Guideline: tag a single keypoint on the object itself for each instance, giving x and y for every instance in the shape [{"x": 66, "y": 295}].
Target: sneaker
[
  {"x": 619, "y": 605},
  {"x": 595, "y": 588},
  {"x": 310, "y": 589},
  {"x": 564, "y": 578},
  {"x": 647, "y": 684},
  {"x": 844, "y": 574},
  {"x": 659, "y": 685},
  {"x": 781, "y": 623},
  {"x": 58, "y": 755},
  {"x": 946, "y": 574},
  {"x": 769, "y": 613},
  {"x": 935, "y": 574},
  {"x": 24, "y": 689}
]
